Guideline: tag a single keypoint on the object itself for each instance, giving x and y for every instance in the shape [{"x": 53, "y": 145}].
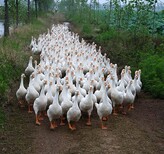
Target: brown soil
[{"x": 141, "y": 131}]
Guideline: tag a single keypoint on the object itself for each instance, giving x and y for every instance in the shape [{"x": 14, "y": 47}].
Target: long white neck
[
  {"x": 22, "y": 82},
  {"x": 90, "y": 94},
  {"x": 75, "y": 104},
  {"x": 56, "y": 98},
  {"x": 30, "y": 62},
  {"x": 42, "y": 90}
]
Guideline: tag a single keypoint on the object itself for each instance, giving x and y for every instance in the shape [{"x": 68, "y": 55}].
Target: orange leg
[
  {"x": 89, "y": 121},
  {"x": 114, "y": 111},
  {"x": 132, "y": 106},
  {"x": 37, "y": 120},
  {"x": 40, "y": 117},
  {"x": 70, "y": 127},
  {"x": 73, "y": 126},
  {"x": 104, "y": 118},
  {"x": 129, "y": 107},
  {"x": 52, "y": 125},
  {"x": 29, "y": 109},
  {"x": 102, "y": 125},
  {"x": 62, "y": 121}
]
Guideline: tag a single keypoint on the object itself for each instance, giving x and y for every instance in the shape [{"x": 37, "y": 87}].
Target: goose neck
[
  {"x": 56, "y": 98},
  {"x": 22, "y": 82}
]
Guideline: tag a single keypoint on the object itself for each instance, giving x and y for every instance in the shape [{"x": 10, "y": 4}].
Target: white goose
[
  {"x": 129, "y": 97},
  {"x": 29, "y": 69},
  {"x": 86, "y": 105},
  {"x": 139, "y": 78},
  {"x": 65, "y": 104},
  {"x": 55, "y": 110},
  {"x": 74, "y": 113},
  {"x": 40, "y": 103},
  {"x": 21, "y": 92},
  {"x": 49, "y": 95},
  {"x": 117, "y": 97},
  {"x": 136, "y": 84},
  {"x": 31, "y": 95},
  {"x": 104, "y": 108},
  {"x": 99, "y": 93}
]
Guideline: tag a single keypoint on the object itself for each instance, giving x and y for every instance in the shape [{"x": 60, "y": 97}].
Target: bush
[
  {"x": 153, "y": 75},
  {"x": 86, "y": 29}
]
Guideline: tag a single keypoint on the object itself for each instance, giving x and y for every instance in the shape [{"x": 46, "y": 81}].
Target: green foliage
[
  {"x": 152, "y": 67},
  {"x": 86, "y": 29},
  {"x": 8, "y": 73}
]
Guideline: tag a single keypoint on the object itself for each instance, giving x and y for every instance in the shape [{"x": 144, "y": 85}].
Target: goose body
[
  {"x": 21, "y": 92},
  {"x": 104, "y": 108},
  {"x": 86, "y": 104},
  {"x": 55, "y": 110},
  {"x": 74, "y": 113},
  {"x": 129, "y": 97},
  {"x": 117, "y": 97},
  {"x": 40, "y": 103},
  {"x": 31, "y": 95},
  {"x": 29, "y": 69}
]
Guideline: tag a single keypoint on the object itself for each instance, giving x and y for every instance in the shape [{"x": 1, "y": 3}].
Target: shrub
[
  {"x": 86, "y": 29},
  {"x": 153, "y": 75}
]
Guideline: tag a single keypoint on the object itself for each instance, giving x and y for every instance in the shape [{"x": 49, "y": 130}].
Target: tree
[
  {"x": 36, "y": 8},
  {"x": 6, "y": 23},
  {"x": 28, "y": 10},
  {"x": 17, "y": 13}
]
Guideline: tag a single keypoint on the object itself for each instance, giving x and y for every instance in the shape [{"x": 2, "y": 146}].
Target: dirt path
[{"x": 140, "y": 131}]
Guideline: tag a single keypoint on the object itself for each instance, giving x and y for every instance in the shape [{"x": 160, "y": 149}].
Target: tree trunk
[
  {"x": 6, "y": 22},
  {"x": 17, "y": 13},
  {"x": 28, "y": 10},
  {"x": 39, "y": 6},
  {"x": 36, "y": 8}
]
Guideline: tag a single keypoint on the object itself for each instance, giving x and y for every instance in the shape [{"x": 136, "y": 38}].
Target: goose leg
[
  {"x": 102, "y": 125},
  {"x": 37, "y": 120},
  {"x": 70, "y": 127},
  {"x": 104, "y": 118},
  {"x": 62, "y": 121},
  {"x": 89, "y": 121},
  {"x": 73, "y": 126},
  {"x": 123, "y": 111},
  {"x": 40, "y": 117},
  {"x": 129, "y": 107},
  {"x": 29, "y": 108},
  {"x": 132, "y": 106},
  {"x": 114, "y": 111},
  {"x": 53, "y": 125}
]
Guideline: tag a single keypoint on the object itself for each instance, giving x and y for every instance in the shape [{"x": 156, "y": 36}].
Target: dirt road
[{"x": 140, "y": 131}]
